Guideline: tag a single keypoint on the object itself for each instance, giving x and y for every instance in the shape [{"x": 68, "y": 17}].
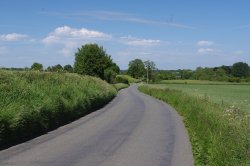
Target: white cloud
[
  {"x": 13, "y": 37},
  {"x": 66, "y": 33},
  {"x": 118, "y": 16},
  {"x": 70, "y": 38},
  {"x": 205, "y": 50},
  {"x": 139, "y": 42},
  {"x": 204, "y": 43}
]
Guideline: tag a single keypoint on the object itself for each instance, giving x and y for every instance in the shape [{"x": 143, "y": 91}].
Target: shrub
[{"x": 121, "y": 79}]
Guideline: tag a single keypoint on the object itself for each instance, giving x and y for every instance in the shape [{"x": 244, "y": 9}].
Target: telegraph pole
[{"x": 147, "y": 74}]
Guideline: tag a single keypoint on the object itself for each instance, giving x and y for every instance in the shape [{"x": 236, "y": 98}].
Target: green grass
[
  {"x": 32, "y": 103},
  {"x": 201, "y": 82},
  {"x": 219, "y": 135},
  {"x": 120, "y": 86},
  {"x": 226, "y": 94},
  {"x": 129, "y": 78}
]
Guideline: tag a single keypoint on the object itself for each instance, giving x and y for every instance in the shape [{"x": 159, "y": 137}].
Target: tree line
[
  {"x": 238, "y": 72},
  {"x": 92, "y": 59}
]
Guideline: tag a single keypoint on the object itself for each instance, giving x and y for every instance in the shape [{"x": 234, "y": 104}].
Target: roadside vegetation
[
  {"x": 219, "y": 133},
  {"x": 33, "y": 103},
  {"x": 120, "y": 86},
  {"x": 127, "y": 79}
]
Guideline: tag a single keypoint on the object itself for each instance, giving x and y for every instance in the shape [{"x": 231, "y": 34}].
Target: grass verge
[
  {"x": 120, "y": 86},
  {"x": 32, "y": 103},
  {"x": 219, "y": 135}
]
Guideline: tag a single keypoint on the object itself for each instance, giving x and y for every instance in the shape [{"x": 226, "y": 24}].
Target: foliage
[
  {"x": 240, "y": 69},
  {"x": 128, "y": 78},
  {"x": 37, "y": 66},
  {"x": 136, "y": 68},
  {"x": 33, "y": 103},
  {"x": 150, "y": 67},
  {"x": 57, "y": 68},
  {"x": 92, "y": 60},
  {"x": 219, "y": 135},
  {"x": 68, "y": 68},
  {"x": 121, "y": 79},
  {"x": 109, "y": 75},
  {"x": 119, "y": 86}
]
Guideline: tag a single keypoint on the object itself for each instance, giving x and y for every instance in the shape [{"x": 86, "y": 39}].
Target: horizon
[{"x": 174, "y": 35}]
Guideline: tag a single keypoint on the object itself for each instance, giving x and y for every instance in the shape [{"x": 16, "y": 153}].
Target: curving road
[{"x": 133, "y": 130}]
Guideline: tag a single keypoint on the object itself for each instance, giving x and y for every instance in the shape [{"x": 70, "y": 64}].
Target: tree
[
  {"x": 89, "y": 60},
  {"x": 37, "y": 66},
  {"x": 92, "y": 60},
  {"x": 150, "y": 67},
  {"x": 136, "y": 68},
  {"x": 240, "y": 69},
  {"x": 57, "y": 68},
  {"x": 49, "y": 68},
  {"x": 68, "y": 68}
]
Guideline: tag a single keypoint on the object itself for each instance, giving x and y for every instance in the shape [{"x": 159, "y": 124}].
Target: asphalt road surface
[{"x": 133, "y": 130}]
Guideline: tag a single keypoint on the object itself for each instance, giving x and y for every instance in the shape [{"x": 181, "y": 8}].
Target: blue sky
[{"x": 175, "y": 34}]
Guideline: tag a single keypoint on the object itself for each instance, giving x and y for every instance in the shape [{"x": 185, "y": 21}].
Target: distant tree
[
  {"x": 68, "y": 68},
  {"x": 240, "y": 69},
  {"x": 220, "y": 75},
  {"x": 57, "y": 68},
  {"x": 150, "y": 67},
  {"x": 49, "y": 68},
  {"x": 37, "y": 66},
  {"x": 185, "y": 74},
  {"x": 136, "y": 68},
  {"x": 228, "y": 69},
  {"x": 92, "y": 60}
]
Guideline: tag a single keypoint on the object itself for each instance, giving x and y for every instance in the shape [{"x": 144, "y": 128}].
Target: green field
[
  {"x": 32, "y": 103},
  {"x": 201, "y": 82},
  {"x": 219, "y": 134},
  {"x": 237, "y": 95}
]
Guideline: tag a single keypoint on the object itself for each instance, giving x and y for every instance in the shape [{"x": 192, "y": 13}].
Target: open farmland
[{"x": 237, "y": 95}]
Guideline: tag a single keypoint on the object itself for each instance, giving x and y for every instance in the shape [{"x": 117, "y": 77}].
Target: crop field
[
  {"x": 219, "y": 134},
  {"x": 32, "y": 103},
  {"x": 236, "y": 95}
]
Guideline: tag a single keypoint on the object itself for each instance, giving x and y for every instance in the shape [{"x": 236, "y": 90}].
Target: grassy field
[
  {"x": 237, "y": 95},
  {"x": 219, "y": 135},
  {"x": 201, "y": 82},
  {"x": 32, "y": 103}
]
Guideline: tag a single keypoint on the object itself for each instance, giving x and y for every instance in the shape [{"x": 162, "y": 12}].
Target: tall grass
[
  {"x": 219, "y": 135},
  {"x": 32, "y": 103}
]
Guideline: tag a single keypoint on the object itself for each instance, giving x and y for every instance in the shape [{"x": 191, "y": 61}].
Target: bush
[{"x": 121, "y": 79}]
